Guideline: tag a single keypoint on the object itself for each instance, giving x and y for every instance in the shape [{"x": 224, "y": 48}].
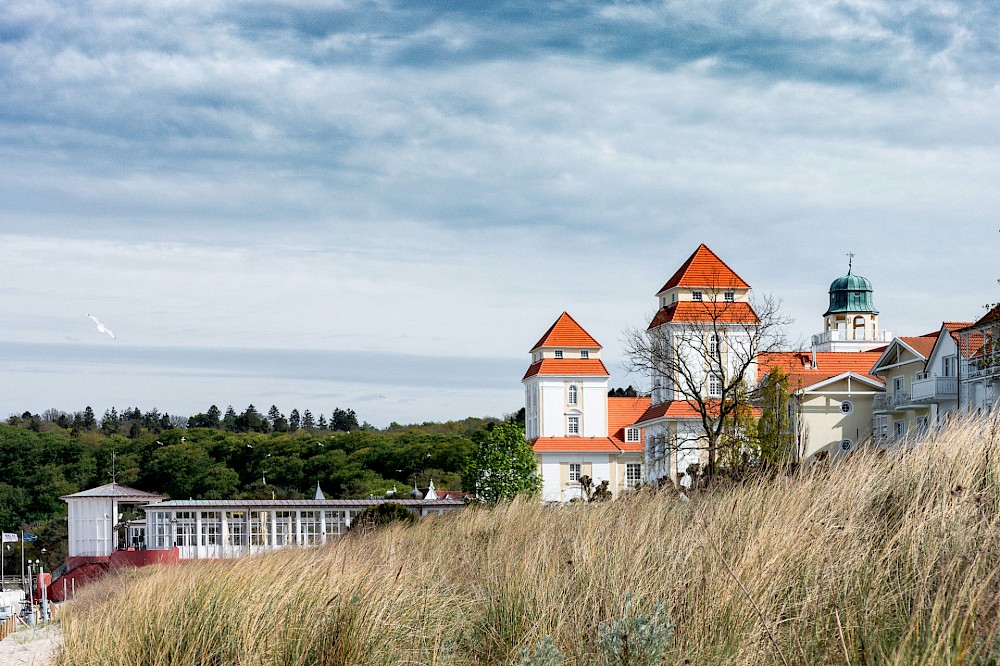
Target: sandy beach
[{"x": 31, "y": 646}]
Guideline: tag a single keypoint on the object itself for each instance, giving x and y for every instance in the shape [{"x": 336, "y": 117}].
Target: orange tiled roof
[
  {"x": 673, "y": 409},
  {"x": 705, "y": 269},
  {"x": 587, "y": 444},
  {"x": 988, "y": 318},
  {"x": 566, "y": 333},
  {"x": 923, "y": 344},
  {"x": 622, "y": 413},
  {"x": 587, "y": 367},
  {"x": 705, "y": 311},
  {"x": 798, "y": 366}
]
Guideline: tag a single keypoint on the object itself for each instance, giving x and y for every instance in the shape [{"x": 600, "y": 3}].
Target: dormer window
[
  {"x": 730, "y": 296},
  {"x": 631, "y": 434},
  {"x": 558, "y": 353},
  {"x": 584, "y": 353},
  {"x": 673, "y": 297},
  {"x": 696, "y": 295}
]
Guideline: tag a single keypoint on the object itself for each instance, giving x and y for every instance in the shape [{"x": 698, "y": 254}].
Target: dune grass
[{"x": 882, "y": 559}]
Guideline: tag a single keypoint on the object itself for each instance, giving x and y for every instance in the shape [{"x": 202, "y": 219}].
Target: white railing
[
  {"x": 837, "y": 336},
  {"x": 935, "y": 388},
  {"x": 983, "y": 368},
  {"x": 901, "y": 398},
  {"x": 880, "y": 403}
]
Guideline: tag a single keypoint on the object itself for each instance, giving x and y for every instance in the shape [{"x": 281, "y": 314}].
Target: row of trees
[
  {"x": 133, "y": 421},
  {"x": 40, "y": 466}
]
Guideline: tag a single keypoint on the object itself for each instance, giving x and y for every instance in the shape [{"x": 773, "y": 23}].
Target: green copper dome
[{"x": 851, "y": 293}]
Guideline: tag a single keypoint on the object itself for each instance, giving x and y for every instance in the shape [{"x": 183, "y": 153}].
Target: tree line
[{"x": 239, "y": 456}]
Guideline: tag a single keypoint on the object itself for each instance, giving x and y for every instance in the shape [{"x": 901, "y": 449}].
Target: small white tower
[
  {"x": 94, "y": 515},
  {"x": 566, "y": 386}
]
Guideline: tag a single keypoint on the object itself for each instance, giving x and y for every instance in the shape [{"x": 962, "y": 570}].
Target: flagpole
[{"x": 22, "y": 560}]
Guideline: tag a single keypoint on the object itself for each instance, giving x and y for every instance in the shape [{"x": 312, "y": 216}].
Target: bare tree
[{"x": 704, "y": 353}]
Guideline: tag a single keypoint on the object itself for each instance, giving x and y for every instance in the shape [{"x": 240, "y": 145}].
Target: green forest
[{"x": 215, "y": 455}]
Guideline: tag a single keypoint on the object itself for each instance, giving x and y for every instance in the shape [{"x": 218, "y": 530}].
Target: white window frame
[
  {"x": 633, "y": 474},
  {"x": 573, "y": 394},
  {"x": 697, "y": 295},
  {"x": 573, "y": 424},
  {"x": 713, "y": 343},
  {"x": 575, "y": 472},
  {"x": 714, "y": 386},
  {"x": 558, "y": 353},
  {"x": 949, "y": 366},
  {"x": 584, "y": 353},
  {"x": 632, "y": 435},
  {"x": 729, "y": 296},
  {"x": 846, "y": 407},
  {"x": 899, "y": 428}
]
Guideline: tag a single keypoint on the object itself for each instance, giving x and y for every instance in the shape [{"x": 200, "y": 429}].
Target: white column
[
  {"x": 298, "y": 528},
  {"x": 197, "y": 534},
  {"x": 273, "y": 536},
  {"x": 224, "y": 546},
  {"x": 322, "y": 527}
]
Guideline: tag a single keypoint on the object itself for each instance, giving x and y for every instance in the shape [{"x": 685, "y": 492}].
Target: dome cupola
[{"x": 851, "y": 293}]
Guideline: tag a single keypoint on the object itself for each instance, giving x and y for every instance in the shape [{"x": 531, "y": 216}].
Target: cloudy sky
[{"x": 383, "y": 205}]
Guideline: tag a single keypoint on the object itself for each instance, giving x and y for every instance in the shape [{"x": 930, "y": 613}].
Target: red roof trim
[{"x": 573, "y": 367}]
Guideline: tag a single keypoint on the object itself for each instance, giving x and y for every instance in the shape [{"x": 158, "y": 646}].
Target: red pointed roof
[
  {"x": 705, "y": 269},
  {"x": 988, "y": 318},
  {"x": 705, "y": 311},
  {"x": 566, "y": 333}
]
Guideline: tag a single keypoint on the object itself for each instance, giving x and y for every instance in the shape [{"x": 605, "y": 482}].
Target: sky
[{"x": 383, "y": 205}]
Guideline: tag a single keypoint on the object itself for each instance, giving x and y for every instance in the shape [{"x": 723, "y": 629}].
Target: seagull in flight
[{"x": 101, "y": 327}]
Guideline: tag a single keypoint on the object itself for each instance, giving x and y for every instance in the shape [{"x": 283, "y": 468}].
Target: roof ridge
[
  {"x": 704, "y": 254},
  {"x": 567, "y": 325}
]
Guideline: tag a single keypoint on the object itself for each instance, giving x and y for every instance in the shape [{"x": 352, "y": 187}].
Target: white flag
[{"x": 9, "y": 538}]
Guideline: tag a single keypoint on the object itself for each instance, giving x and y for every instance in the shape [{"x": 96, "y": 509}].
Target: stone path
[{"x": 31, "y": 646}]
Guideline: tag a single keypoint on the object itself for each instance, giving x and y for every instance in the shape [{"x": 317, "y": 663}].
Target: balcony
[
  {"x": 983, "y": 367},
  {"x": 934, "y": 389},
  {"x": 880, "y": 403}
]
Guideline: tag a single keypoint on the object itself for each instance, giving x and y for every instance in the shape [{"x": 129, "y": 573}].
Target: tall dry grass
[{"x": 878, "y": 560}]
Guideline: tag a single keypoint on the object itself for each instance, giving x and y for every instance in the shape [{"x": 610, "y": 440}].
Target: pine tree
[
  {"x": 293, "y": 420},
  {"x": 307, "y": 420}
]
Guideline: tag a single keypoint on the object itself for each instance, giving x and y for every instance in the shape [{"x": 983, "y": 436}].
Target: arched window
[
  {"x": 859, "y": 328},
  {"x": 573, "y": 394}
]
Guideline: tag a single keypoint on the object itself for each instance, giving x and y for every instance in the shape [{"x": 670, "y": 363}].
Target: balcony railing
[
  {"x": 986, "y": 367},
  {"x": 880, "y": 403},
  {"x": 934, "y": 389},
  {"x": 900, "y": 399}
]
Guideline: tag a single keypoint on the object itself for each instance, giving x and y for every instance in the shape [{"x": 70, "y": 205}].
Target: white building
[
  {"x": 575, "y": 429},
  {"x": 979, "y": 378}
]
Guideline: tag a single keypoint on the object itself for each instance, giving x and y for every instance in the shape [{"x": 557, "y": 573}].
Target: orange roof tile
[
  {"x": 798, "y": 366},
  {"x": 676, "y": 409},
  {"x": 587, "y": 367},
  {"x": 988, "y": 318},
  {"x": 622, "y": 413},
  {"x": 566, "y": 333},
  {"x": 705, "y": 269},
  {"x": 705, "y": 311},
  {"x": 588, "y": 444},
  {"x": 923, "y": 344}
]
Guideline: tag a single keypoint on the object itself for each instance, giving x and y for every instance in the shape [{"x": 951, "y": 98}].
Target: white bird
[{"x": 101, "y": 327}]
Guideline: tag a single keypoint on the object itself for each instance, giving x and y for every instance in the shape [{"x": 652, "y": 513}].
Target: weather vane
[{"x": 850, "y": 261}]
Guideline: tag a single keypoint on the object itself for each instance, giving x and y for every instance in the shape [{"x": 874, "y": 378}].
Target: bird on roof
[{"x": 101, "y": 327}]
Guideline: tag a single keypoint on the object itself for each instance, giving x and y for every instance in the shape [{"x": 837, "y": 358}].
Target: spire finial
[{"x": 850, "y": 262}]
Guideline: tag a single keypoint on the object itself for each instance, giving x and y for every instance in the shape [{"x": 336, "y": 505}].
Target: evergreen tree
[
  {"x": 307, "y": 420},
  {"x": 321, "y": 423},
  {"x": 229, "y": 420},
  {"x": 89, "y": 420},
  {"x": 293, "y": 420},
  {"x": 344, "y": 420}
]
